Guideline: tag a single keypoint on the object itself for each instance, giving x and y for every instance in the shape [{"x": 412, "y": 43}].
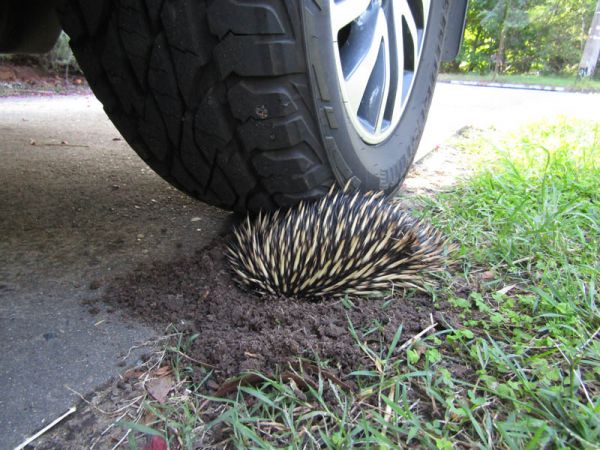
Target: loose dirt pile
[{"x": 237, "y": 331}]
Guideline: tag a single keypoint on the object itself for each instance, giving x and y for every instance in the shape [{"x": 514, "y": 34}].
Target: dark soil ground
[{"x": 235, "y": 332}]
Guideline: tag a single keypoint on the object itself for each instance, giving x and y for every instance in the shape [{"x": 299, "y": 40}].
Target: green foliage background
[
  {"x": 59, "y": 59},
  {"x": 540, "y": 36}
]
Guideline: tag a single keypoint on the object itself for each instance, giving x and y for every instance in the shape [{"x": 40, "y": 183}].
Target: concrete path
[
  {"x": 74, "y": 215},
  {"x": 71, "y": 217},
  {"x": 456, "y": 106}
]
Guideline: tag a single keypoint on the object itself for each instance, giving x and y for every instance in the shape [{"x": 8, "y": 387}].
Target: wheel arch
[
  {"x": 455, "y": 28},
  {"x": 28, "y": 26}
]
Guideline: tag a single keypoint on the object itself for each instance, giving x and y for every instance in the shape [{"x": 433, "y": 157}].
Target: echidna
[{"x": 344, "y": 243}]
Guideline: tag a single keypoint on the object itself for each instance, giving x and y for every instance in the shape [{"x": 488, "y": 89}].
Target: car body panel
[
  {"x": 32, "y": 26},
  {"x": 28, "y": 26}
]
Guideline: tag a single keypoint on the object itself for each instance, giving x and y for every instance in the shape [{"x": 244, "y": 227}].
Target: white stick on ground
[
  {"x": 416, "y": 337},
  {"x": 30, "y": 439}
]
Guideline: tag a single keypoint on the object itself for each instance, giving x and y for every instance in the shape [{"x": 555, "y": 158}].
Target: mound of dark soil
[{"x": 237, "y": 331}]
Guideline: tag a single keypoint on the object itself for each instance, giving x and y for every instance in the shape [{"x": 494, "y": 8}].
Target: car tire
[{"x": 239, "y": 103}]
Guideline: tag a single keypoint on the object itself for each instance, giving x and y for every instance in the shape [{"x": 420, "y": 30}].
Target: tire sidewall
[{"x": 370, "y": 167}]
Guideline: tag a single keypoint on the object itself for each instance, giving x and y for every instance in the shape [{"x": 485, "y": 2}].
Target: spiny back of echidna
[{"x": 344, "y": 243}]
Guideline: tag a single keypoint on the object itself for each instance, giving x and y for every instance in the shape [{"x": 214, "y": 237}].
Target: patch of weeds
[
  {"x": 391, "y": 405},
  {"x": 538, "y": 199},
  {"x": 531, "y": 219},
  {"x": 178, "y": 419}
]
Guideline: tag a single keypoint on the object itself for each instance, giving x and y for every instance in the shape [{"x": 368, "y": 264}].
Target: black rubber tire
[{"x": 218, "y": 96}]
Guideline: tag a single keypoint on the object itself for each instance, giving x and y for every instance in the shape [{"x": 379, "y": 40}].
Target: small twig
[
  {"x": 129, "y": 405},
  {"x": 416, "y": 337},
  {"x": 147, "y": 343},
  {"x": 122, "y": 439},
  {"x": 506, "y": 289},
  {"x": 87, "y": 401},
  {"x": 518, "y": 261},
  {"x": 326, "y": 374},
  {"x": 202, "y": 363},
  {"x": 148, "y": 375},
  {"x": 590, "y": 339},
  {"x": 204, "y": 404},
  {"x": 106, "y": 430},
  {"x": 29, "y": 440},
  {"x": 51, "y": 144},
  {"x": 388, "y": 408}
]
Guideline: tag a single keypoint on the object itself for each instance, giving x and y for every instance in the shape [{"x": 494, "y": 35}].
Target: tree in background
[
  {"x": 502, "y": 18},
  {"x": 561, "y": 30},
  {"x": 59, "y": 60},
  {"x": 591, "y": 51},
  {"x": 525, "y": 36},
  {"x": 477, "y": 44},
  {"x": 489, "y": 25}
]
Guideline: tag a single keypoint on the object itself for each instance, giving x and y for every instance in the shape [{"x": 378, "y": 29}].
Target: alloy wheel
[{"x": 378, "y": 45}]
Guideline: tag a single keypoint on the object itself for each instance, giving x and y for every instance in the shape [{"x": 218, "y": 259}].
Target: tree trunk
[
  {"x": 499, "y": 59},
  {"x": 591, "y": 51},
  {"x": 474, "y": 47}
]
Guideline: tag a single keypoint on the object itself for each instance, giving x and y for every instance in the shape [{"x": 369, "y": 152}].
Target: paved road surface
[
  {"x": 73, "y": 216},
  {"x": 456, "y": 106}
]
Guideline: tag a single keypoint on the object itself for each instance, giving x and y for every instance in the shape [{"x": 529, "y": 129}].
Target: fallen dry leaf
[
  {"x": 159, "y": 388},
  {"x": 162, "y": 371},
  {"x": 132, "y": 373},
  {"x": 506, "y": 289}
]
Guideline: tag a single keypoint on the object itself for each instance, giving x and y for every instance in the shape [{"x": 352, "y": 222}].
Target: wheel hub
[{"x": 378, "y": 45}]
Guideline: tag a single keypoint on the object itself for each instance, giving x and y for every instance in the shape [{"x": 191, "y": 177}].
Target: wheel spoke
[
  {"x": 386, "y": 83},
  {"x": 360, "y": 72},
  {"x": 345, "y": 11},
  {"x": 412, "y": 28},
  {"x": 399, "y": 47},
  {"x": 376, "y": 65}
]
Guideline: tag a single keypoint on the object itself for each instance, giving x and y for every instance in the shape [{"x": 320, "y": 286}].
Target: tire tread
[{"x": 215, "y": 101}]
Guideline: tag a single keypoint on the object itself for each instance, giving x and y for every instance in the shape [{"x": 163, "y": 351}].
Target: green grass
[
  {"x": 570, "y": 83},
  {"x": 532, "y": 220},
  {"x": 523, "y": 368}
]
